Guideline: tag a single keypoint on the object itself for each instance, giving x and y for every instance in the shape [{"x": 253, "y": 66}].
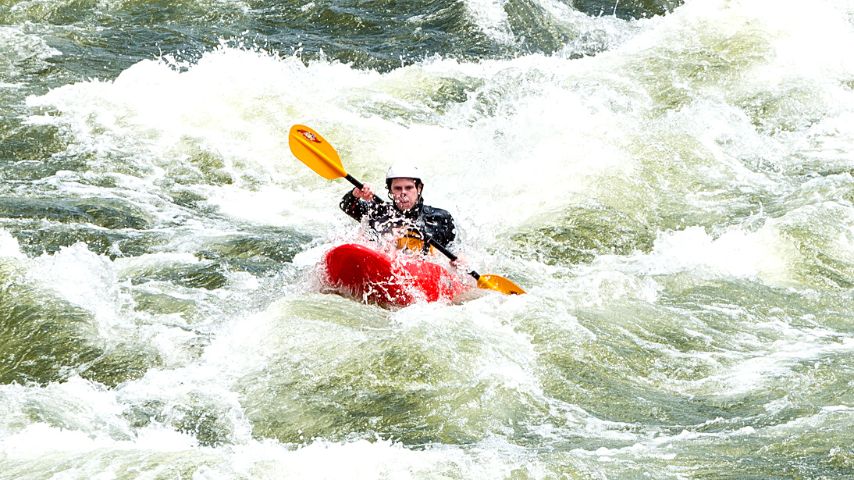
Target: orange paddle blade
[
  {"x": 314, "y": 151},
  {"x": 499, "y": 284}
]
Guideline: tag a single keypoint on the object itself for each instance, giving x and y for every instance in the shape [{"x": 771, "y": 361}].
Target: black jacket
[{"x": 429, "y": 222}]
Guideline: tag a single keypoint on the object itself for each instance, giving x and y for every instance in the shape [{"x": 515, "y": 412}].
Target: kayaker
[{"x": 406, "y": 216}]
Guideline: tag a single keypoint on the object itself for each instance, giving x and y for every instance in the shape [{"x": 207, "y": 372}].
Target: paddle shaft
[{"x": 359, "y": 185}]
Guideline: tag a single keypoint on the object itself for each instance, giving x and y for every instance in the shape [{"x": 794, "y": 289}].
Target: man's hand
[
  {"x": 365, "y": 193},
  {"x": 460, "y": 263}
]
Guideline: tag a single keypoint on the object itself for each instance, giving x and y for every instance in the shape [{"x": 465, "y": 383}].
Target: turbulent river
[{"x": 670, "y": 182}]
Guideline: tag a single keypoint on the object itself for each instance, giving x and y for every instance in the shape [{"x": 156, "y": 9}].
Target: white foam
[
  {"x": 490, "y": 16},
  {"x": 87, "y": 280},
  {"x": 736, "y": 253},
  {"x": 506, "y": 357},
  {"x": 363, "y": 459},
  {"x": 756, "y": 371},
  {"x": 279, "y": 206},
  {"x": 22, "y": 47},
  {"x": 75, "y": 405},
  {"x": 9, "y": 246}
]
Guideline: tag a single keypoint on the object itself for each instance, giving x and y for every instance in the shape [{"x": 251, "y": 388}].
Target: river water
[{"x": 671, "y": 183}]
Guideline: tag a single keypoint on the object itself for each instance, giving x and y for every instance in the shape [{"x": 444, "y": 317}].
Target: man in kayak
[{"x": 406, "y": 216}]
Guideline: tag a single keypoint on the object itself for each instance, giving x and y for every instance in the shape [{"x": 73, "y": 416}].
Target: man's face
[{"x": 405, "y": 193}]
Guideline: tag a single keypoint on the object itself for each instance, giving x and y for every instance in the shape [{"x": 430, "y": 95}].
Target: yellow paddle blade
[
  {"x": 314, "y": 151},
  {"x": 499, "y": 284}
]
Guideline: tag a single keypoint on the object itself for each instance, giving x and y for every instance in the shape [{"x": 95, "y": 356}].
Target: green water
[{"x": 671, "y": 183}]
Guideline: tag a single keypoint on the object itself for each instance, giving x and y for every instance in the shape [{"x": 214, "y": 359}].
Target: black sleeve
[
  {"x": 440, "y": 226},
  {"x": 354, "y": 207}
]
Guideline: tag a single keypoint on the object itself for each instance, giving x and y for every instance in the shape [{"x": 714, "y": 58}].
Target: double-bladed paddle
[{"x": 311, "y": 149}]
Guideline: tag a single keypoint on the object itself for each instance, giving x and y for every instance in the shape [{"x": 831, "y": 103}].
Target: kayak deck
[{"x": 373, "y": 277}]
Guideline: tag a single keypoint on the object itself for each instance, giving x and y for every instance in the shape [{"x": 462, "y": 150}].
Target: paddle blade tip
[
  {"x": 315, "y": 152},
  {"x": 499, "y": 284}
]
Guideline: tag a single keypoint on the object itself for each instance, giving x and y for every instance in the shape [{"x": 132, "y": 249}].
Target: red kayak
[{"x": 375, "y": 277}]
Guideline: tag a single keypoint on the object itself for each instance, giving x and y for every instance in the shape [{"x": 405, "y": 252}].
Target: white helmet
[{"x": 403, "y": 170}]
